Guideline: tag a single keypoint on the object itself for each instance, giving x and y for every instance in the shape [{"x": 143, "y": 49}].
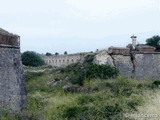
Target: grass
[
  {"x": 151, "y": 105},
  {"x": 98, "y": 99}
]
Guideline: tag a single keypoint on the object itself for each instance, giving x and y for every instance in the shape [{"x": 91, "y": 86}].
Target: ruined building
[{"x": 12, "y": 84}]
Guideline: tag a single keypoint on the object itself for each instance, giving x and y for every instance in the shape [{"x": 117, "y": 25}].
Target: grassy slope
[
  {"x": 97, "y": 100},
  {"x": 151, "y": 105}
]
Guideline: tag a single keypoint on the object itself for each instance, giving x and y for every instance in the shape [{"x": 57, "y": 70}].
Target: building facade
[{"x": 61, "y": 60}]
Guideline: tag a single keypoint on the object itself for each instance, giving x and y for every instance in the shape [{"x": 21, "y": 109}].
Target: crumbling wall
[
  {"x": 124, "y": 65},
  {"x": 136, "y": 65},
  {"x": 103, "y": 58}
]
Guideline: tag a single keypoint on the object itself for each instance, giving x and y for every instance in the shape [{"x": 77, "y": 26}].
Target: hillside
[{"x": 100, "y": 99}]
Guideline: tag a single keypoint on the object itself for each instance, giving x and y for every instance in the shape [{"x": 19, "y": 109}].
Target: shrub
[
  {"x": 101, "y": 71},
  {"x": 31, "y": 75},
  {"x": 154, "y": 41},
  {"x": 156, "y": 84},
  {"x": 48, "y": 54},
  {"x": 78, "y": 72},
  {"x": 30, "y": 58},
  {"x": 72, "y": 111}
]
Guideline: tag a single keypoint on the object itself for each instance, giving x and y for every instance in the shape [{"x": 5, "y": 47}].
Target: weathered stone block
[
  {"x": 12, "y": 84},
  {"x": 124, "y": 65},
  {"x": 103, "y": 58},
  {"x": 147, "y": 66}
]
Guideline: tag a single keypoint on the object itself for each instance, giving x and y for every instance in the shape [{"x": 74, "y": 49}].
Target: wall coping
[{"x": 9, "y": 46}]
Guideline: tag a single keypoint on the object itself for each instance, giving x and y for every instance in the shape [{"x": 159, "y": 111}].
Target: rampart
[
  {"x": 141, "y": 63},
  {"x": 12, "y": 84},
  {"x": 138, "y": 61}
]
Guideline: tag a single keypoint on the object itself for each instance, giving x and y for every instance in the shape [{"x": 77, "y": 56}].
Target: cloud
[{"x": 108, "y": 8}]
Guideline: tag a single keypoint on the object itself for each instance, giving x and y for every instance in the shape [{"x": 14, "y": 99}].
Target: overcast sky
[{"x": 79, "y": 25}]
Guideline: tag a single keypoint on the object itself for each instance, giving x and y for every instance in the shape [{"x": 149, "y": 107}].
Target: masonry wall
[
  {"x": 147, "y": 65},
  {"x": 12, "y": 84},
  {"x": 61, "y": 60},
  {"x": 137, "y": 65}
]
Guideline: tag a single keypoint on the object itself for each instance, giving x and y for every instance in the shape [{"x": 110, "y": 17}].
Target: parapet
[
  {"x": 9, "y": 40},
  {"x": 119, "y": 51},
  {"x": 145, "y": 48}
]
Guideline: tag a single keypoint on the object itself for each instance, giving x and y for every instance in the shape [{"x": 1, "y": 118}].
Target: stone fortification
[
  {"x": 61, "y": 60},
  {"x": 147, "y": 65},
  {"x": 12, "y": 85},
  {"x": 138, "y": 65},
  {"x": 137, "y": 61}
]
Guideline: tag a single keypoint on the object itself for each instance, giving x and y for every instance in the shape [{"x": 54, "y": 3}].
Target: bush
[
  {"x": 156, "y": 84},
  {"x": 48, "y": 54},
  {"x": 154, "y": 41},
  {"x": 30, "y": 58},
  {"x": 101, "y": 71},
  {"x": 78, "y": 72}
]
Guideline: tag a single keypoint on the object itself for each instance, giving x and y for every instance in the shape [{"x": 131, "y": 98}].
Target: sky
[{"x": 79, "y": 25}]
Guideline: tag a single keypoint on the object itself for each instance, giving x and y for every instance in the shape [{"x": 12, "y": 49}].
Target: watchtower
[{"x": 134, "y": 40}]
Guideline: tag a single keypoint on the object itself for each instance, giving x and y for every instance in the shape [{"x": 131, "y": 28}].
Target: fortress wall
[
  {"x": 12, "y": 84},
  {"x": 124, "y": 65},
  {"x": 147, "y": 65},
  {"x": 61, "y": 60},
  {"x": 138, "y": 65}
]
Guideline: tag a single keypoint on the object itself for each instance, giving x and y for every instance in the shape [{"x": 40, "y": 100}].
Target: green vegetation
[
  {"x": 103, "y": 94},
  {"x": 101, "y": 99},
  {"x": 48, "y": 54},
  {"x": 56, "y": 53},
  {"x": 154, "y": 41},
  {"x": 78, "y": 72},
  {"x": 65, "y": 53},
  {"x": 30, "y": 58}
]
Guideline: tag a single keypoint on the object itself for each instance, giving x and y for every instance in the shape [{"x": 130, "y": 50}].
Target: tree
[
  {"x": 154, "y": 41},
  {"x": 65, "y": 53},
  {"x": 48, "y": 54},
  {"x": 30, "y": 58},
  {"x": 56, "y": 53}
]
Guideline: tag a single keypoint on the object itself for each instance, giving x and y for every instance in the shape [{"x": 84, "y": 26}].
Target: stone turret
[
  {"x": 12, "y": 84},
  {"x": 134, "y": 41}
]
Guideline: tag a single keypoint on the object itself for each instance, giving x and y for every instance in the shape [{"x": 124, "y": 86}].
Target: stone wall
[
  {"x": 61, "y": 60},
  {"x": 118, "y": 51},
  {"x": 12, "y": 84},
  {"x": 147, "y": 65},
  {"x": 136, "y": 65},
  {"x": 9, "y": 40}
]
